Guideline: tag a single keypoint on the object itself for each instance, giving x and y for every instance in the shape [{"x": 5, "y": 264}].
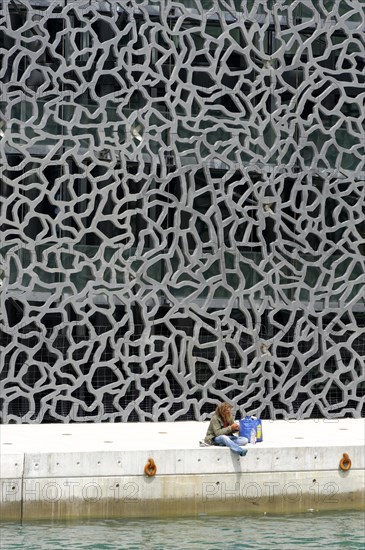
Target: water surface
[{"x": 335, "y": 530}]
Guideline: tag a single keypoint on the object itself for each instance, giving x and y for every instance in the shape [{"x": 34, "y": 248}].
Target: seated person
[{"x": 221, "y": 428}]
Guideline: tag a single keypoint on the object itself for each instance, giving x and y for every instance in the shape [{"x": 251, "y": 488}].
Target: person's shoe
[
  {"x": 243, "y": 452},
  {"x": 203, "y": 443}
]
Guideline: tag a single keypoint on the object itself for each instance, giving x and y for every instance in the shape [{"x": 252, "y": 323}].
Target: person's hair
[{"x": 224, "y": 410}]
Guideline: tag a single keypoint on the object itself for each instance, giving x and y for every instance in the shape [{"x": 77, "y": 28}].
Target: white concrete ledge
[{"x": 97, "y": 470}]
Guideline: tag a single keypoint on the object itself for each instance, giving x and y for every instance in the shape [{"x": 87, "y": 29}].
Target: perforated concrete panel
[{"x": 182, "y": 189}]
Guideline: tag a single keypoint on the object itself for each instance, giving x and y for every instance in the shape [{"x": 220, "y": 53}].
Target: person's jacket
[{"x": 216, "y": 427}]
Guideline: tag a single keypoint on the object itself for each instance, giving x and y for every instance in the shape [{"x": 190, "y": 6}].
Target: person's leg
[
  {"x": 239, "y": 440},
  {"x": 228, "y": 441}
]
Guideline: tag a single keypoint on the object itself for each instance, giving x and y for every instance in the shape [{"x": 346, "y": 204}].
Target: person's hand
[{"x": 235, "y": 427}]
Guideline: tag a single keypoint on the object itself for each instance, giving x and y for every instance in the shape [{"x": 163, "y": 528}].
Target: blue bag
[{"x": 247, "y": 424}]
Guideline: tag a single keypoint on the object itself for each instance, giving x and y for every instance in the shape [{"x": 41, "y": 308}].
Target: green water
[{"x": 335, "y": 530}]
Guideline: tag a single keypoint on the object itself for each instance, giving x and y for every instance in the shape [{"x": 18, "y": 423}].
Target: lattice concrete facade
[{"x": 182, "y": 188}]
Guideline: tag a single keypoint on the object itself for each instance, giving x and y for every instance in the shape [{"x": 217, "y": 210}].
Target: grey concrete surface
[
  {"x": 50, "y": 438},
  {"x": 58, "y": 471}
]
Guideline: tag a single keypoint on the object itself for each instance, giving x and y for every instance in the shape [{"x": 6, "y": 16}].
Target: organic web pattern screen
[{"x": 182, "y": 209}]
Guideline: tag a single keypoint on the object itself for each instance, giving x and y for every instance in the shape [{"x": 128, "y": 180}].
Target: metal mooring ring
[
  {"x": 345, "y": 463},
  {"x": 150, "y": 469}
]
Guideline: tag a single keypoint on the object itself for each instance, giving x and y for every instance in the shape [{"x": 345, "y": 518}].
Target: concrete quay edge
[{"x": 70, "y": 471}]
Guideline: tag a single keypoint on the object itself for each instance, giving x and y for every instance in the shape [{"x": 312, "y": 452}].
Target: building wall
[{"x": 183, "y": 190}]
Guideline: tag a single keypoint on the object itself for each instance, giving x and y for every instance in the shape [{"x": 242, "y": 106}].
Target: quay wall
[{"x": 70, "y": 485}]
